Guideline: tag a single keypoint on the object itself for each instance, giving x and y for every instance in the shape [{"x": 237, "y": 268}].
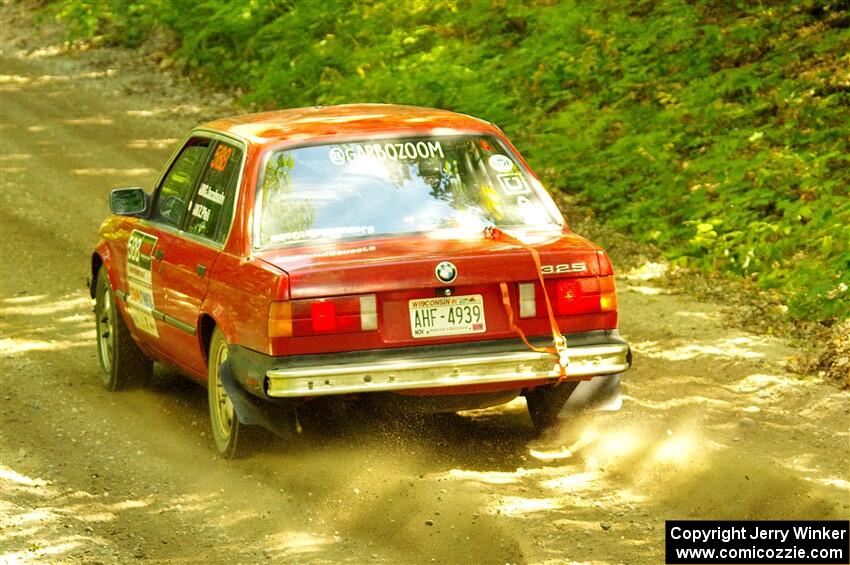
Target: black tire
[
  {"x": 122, "y": 362},
  {"x": 545, "y": 402},
  {"x": 229, "y": 435}
]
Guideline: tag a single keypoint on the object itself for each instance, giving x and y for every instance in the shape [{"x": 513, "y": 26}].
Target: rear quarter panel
[
  {"x": 242, "y": 287},
  {"x": 238, "y": 299}
]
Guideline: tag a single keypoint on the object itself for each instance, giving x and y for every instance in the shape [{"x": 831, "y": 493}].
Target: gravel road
[{"x": 711, "y": 427}]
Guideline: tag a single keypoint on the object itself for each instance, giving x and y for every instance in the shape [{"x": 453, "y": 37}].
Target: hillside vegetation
[{"x": 718, "y": 131}]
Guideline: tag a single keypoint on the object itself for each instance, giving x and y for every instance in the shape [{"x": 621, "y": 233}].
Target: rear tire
[
  {"x": 121, "y": 360},
  {"x": 545, "y": 402},
  {"x": 228, "y": 433}
]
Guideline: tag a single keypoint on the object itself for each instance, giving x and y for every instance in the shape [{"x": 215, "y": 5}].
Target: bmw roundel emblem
[{"x": 446, "y": 272}]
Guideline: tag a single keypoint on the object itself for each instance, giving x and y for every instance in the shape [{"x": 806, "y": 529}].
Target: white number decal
[
  {"x": 564, "y": 268},
  {"x": 134, "y": 244},
  {"x": 140, "y": 300}
]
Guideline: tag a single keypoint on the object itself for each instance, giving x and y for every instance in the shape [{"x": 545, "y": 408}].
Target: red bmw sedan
[{"x": 352, "y": 250}]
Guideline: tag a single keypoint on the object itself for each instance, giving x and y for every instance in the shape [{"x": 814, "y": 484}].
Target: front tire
[
  {"x": 545, "y": 402},
  {"x": 121, "y": 360},
  {"x": 228, "y": 433}
]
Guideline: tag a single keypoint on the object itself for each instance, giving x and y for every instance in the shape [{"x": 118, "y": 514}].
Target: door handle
[
  {"x": 159, "y": 254},
  {"x": 201, "y": 270}
]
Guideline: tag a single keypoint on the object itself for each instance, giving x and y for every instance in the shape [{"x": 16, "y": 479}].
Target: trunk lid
[{"x": 409, "y": 263}]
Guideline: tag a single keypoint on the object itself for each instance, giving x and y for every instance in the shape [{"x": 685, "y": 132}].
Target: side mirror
[{"x": 128, "y": 201}]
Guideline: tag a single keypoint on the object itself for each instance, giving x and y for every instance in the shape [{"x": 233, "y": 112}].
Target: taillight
[
  {"x": 280, "y": 319},
  {"x": 607, "y": 294},
  {"x": 605, "y": 267},
  {"x": 580, "y": 295},
  {"x": 607, "y": 290},
  {"x": 323, "y": 316},
  {"x": 345, "y": 314},
  {"x": 528, "y": 300},
  {"x": 368, "y": 312},
  {"x": 569, "y": 297}
]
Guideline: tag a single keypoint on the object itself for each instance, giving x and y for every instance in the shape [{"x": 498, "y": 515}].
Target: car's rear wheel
[
  {"x": 228, "y": 433},
  {"x": 545, "y": 402},
  {"x": 121, "y": 360}
]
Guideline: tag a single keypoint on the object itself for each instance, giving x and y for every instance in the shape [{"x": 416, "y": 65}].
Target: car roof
[{"x": 349, "y": 120}]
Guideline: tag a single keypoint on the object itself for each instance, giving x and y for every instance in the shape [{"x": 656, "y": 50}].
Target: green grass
[{"x": 719, "y": 131}]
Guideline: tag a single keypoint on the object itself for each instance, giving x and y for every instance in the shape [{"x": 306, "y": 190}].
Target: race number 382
[
  {"x": 135, "y": 254},
  {"x": 134, "y": 244}
]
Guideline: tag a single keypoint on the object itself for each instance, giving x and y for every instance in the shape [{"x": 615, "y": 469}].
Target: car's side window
[
  {"x": 174, "y": 193},
  {"x": 212, "y": 207}
]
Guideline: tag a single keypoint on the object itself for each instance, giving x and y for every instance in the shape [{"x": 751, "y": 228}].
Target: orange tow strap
[{"x": 560, "y": 343}]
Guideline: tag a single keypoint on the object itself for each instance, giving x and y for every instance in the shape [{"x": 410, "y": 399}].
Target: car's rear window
[{"x": 396, "y": 186}]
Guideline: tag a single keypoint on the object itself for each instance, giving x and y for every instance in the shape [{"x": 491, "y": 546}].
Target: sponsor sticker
[
  {"x": 500, "y": 163},
  {"x": 405, "y": 151},
  {"x": 324, "y": 233},
  {"x": 201, "y": 211},
  {"x": 513, "y": 183},
  {"x": 140, "y": 301},
  {"x": 211, "y": 194}
]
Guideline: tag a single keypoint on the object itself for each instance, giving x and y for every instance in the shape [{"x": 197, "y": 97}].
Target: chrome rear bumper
[{"x": 431, "y": 371}]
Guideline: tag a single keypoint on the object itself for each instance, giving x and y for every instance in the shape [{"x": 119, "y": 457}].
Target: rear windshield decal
[
  {"x": 513, "y": 183},
  {"x": 500, "y": 163},
  {"x": 386, "y": 151}
]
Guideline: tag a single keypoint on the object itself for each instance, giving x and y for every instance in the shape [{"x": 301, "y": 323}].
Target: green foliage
[
  {"x": 83, "y": 19},
  {"x": 718, "y": 131}
]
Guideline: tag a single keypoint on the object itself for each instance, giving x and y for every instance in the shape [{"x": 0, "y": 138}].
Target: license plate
[{"x": 449, "y": 315}]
